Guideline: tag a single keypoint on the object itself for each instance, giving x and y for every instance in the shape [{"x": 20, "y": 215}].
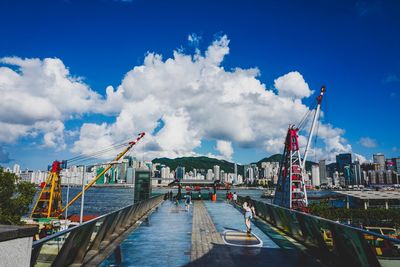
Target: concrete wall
[
  {"x": 16, "y": 252},
  {"x": 16, "y": 245}
]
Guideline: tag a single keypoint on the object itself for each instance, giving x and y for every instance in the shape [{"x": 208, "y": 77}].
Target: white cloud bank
[
  {"x": 367, "y": 142},
  {"x": 194, "y": 96},
  {"x": 37, "y": 96}
]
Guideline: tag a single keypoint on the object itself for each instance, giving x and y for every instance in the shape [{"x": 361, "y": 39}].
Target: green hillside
[{"x": 205, "y": 163}]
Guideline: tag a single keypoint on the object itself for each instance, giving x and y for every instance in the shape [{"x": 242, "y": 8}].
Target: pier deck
[{"x": 175, "y": 237}]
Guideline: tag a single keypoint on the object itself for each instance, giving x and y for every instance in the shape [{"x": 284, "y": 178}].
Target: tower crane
[
  {"x": 49, "y": 202},
  {"x": 291, "y": 189}
]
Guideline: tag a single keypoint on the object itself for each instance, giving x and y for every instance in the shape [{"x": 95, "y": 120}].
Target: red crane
[{"x": 291, "y": 188}]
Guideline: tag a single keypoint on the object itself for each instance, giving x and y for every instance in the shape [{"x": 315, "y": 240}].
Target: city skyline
[{"x": 224, "y": 88}]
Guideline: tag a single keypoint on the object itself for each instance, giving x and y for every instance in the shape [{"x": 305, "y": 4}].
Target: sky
[{"x": 216, "y": 78}]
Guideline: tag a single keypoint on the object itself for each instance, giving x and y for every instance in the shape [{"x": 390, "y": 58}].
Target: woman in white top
[{"x": 249, "y": 212}]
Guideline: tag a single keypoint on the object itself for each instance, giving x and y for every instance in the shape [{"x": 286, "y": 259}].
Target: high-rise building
[
  {"x": 16, "y": 169},
  {"x": 180, "y": 173},
  {"x": 315, "y": 175},
  {"x": 397, "y": 165},
  {"x": 379, "y": 160},
  {"x": 322, "y": 172},
  {"x": 335, "y": 178},
  {"x": 216, "y": 172},
  {"x": 348, "y": 178},
  {"x": 343, "y": 160},
  {"x": 357, "y": 173},
  {"x": 235, "y": 178},
  {"x": 209, "y": 175},
  {"x": 390, "y": 164}
]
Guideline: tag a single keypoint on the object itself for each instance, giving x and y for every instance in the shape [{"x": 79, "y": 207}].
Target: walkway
[
  {"x": 175, "y": 237},
  {"x": 164, "y": 240},
  {"x": 207, "y": 244}
]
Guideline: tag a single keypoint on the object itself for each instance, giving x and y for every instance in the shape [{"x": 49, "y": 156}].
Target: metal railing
[
  {"x": 81, "y": 244},
  {"x": 335, "y": 243}
]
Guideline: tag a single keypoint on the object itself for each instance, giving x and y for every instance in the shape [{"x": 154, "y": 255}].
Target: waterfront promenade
[{"x": 174, "y": 237}]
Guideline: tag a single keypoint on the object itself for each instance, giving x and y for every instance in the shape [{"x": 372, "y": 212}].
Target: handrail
[
  {"x": 83, "y": 243},
  {"x": 335, "y": 243}
]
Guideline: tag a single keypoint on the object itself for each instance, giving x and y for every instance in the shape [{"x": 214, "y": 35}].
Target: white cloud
[
  {"x": 359, "y": 158},
  {"x": 225, "y": 148},
  {"x": 367, "y": 142},
  {"x": 192, "y": 94},
  {"x": 194, "y": 39},
  {"x": 37, "y": 96},
  {"x": 292, "y": 85},
  {"x": 197, "y": 99}
]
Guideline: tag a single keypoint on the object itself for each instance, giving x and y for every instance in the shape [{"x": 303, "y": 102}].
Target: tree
[{"x": 15, "y": 198}]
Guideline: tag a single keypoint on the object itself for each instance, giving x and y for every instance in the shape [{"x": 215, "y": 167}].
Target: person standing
[
  {"x": 234, "y": 197},
  {"x": 248, "y": 214}
]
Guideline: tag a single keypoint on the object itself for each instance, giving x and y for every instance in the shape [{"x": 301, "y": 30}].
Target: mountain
[{"x": 205, "y": 163}]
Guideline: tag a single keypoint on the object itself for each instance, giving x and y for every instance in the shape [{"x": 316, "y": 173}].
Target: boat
[{"x": 269, "y": 193}]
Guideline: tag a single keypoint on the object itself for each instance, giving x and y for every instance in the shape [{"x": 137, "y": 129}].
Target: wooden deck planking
[{"x": 207, "y": 244}]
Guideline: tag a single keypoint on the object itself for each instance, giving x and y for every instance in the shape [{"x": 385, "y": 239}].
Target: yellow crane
[{"x": 49, "y": 202}]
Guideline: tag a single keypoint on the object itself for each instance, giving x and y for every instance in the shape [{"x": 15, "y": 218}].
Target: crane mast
[
  {"x": 291, "y": 188},
  {"x": 48, "y": 204}
]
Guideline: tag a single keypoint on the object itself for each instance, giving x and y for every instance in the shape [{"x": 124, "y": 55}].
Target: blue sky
[{"x": 351, "y": 46}]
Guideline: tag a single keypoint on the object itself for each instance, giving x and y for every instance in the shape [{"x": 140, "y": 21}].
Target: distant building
[
  {"x": 315, "y": 175},
  {"x": 379, "y": 160},
  {"x": 209, "y": 175},
  {"x": 390, "y": 164},
  {"x": 216, "y": 169},
  {"x": 335, "y": 178},
  {"x": 348, "y": 178},
  {"x": 16, "y": 169},
  {"x": 357, "y": 174},
  {"x": 235, "y": 178},
  {"x": 343, "y": 160},
  {"x": 331, "y": 168},
  {"x": 397, "y": 165},
  {"x": 180, "y": 173},
  {"x": 322, "y": 172},
  {"x": 382, "y": 177}
]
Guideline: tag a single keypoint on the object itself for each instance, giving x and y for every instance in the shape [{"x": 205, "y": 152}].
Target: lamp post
[{"x": 83, "y": 194}]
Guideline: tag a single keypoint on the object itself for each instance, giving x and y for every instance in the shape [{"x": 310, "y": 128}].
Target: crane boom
[
  {"x": 317, "y": 110},
  {"x": 120, "y": 155}
]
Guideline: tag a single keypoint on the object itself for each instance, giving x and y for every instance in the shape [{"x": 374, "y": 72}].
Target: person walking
[
  {"x": 188, "y": 201},
  {"x": 248, "y": 214}
]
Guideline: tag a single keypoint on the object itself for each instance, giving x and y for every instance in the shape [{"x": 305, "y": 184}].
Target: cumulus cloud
[
  {"x": 178, "y": 101},
  {"x": 37, "y": 97},
  {"x": 197, "y": 99},
  {"x": 292, "y": 85},
  {"x": 225, "y": 148},
  {"x": 367, "y": 142}
]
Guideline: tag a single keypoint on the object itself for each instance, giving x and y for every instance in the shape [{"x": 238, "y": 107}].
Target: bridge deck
[{"x": 175, "y": 237}]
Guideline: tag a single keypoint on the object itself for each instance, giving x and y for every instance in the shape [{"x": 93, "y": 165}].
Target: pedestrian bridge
[{"x": 156, "y": 232}]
